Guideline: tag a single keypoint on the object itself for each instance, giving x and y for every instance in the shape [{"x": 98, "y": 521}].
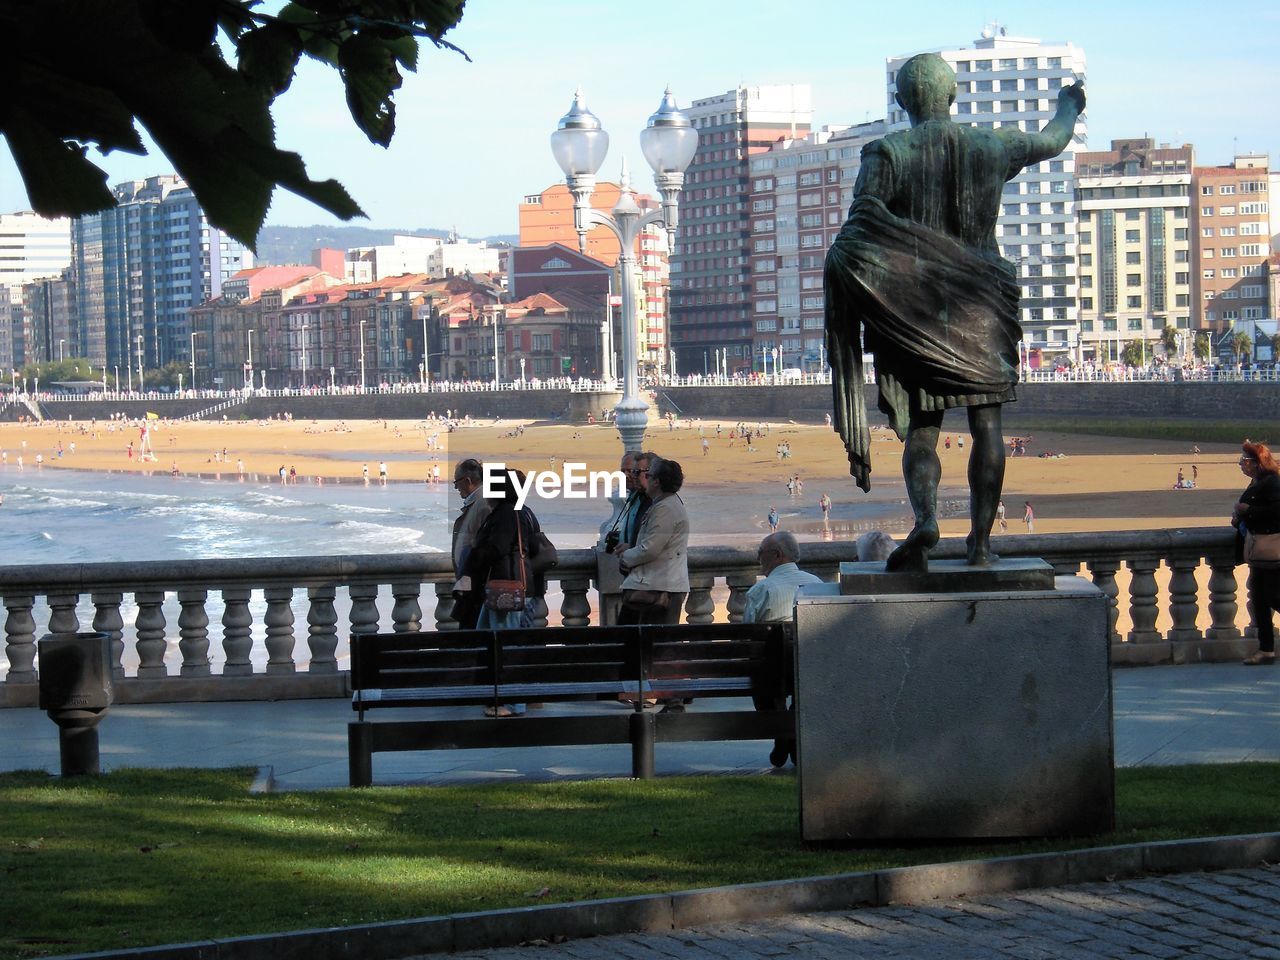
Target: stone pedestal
[{"x": 954, "y": 715}]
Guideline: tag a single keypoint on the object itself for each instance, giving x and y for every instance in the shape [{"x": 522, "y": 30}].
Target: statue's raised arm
[{"x": 1057, "y": 133}]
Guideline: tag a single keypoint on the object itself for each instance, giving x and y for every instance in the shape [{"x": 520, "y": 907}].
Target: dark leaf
[
  {"x": 269, "y": 55},
  {"x": 60, "y": 180},
  {"x": 369, "y": 72},
  {"x": 188, "y": 27}
]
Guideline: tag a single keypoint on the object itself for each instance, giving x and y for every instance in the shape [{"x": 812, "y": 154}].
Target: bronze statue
[{"x": 917, "y": 267}]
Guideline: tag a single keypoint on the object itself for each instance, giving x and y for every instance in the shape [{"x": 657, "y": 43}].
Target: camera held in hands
[{"x": 611, "y": 540}]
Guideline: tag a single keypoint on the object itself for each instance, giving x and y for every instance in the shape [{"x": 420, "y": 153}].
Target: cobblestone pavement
[{"x": 1223, "y": 916}]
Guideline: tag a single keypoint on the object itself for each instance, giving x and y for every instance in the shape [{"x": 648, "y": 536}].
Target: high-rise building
[
  {"x": 141, "y": 266},
  {"x": 1014, "y": 81},
  {"x": 1231, "y": 222},
  {"x": 1136, "y": 253},
  {"x": 32, "y": 247},
  {"x": 711, "y": 293},
  {"x": 800, "y": 196}
]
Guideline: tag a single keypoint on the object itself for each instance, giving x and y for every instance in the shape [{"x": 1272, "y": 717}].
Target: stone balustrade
[{"x": 233, "y": 629}]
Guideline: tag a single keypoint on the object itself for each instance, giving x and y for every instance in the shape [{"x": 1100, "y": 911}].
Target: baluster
[
  {"x": 1142, "y": 600},
  {"x": 444, "y": 607},
  {"x": 575, "y": 608},
  {"x": 62, "y": 612},
  {"x": 364, "y": 607},
  {"x": 538, "y": 611},
  {"x": 193, "y": 633},
  {"x": 149, "y": 627},
  {"x": 107, "y": 619},
  {"x": 322, "y": 632},
  {"x": 237, "y": 632},
  {"x": 1184, "y": 600},
  {"x": 1222, "y": 600},
  {"x": 739, "y": 584},
  {"x": 20, "y": 638},
  {"x": 279, "y": 621},
  {"x": 698, "y": 607},
  {"x": 406, "y": 614},
  {"x": 1104, "y": 578}
]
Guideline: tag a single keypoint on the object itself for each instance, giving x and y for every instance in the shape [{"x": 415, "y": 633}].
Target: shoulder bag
[
  {"x": 1261, "y": 547},
  {"x": 506, "y": 596}
]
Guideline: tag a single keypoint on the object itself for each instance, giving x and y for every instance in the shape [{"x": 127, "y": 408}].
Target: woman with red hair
[{"x": 1257, "y": 519}]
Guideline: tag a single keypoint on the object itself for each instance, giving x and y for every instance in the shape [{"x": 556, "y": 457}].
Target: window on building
[
  {"x": 1133, "y": 280},
  {"x": 1086, "y": 303},
  {"x": 1135, "y": 323},
  {"x": 1227, "y": 189},
  {"x": 1109, "y": 325},
  {"x": 1182, "y": 300},
  {"x": 1133, "y": 257},
  {"x": 1132, "y": 236},
  {"x": 1206, "y": 211},
  {"x": 1206, "y": 231}
]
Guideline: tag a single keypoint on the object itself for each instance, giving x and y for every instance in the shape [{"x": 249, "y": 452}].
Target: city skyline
[{"x": 472, "y": 138}]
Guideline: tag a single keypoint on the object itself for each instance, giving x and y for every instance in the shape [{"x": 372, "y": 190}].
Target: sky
[{"x": 472, "y": 138}]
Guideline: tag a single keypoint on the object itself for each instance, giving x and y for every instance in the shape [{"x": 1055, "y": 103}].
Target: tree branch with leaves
[{"x": 81, "y": 73}]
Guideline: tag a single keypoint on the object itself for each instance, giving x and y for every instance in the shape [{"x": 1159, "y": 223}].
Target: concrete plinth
[{"x": 970, "y": 714}]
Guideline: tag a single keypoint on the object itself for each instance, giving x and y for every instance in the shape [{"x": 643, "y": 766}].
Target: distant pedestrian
[
  {"x": 1029, "y": 517},
  {"x": 382, "y": 472},
  {"x": 706, "y": 446},
  {"x": 825, "y": 503},
  {"x": 773, "y": 519},
  {"x": 364, "y": 473},
  {"x": 1000, "y": 517}
]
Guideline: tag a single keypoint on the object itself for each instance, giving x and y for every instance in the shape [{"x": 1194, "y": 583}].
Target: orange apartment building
[
  {"x": 1231, "y": 223},
  {"x": 547, "y": 218}
]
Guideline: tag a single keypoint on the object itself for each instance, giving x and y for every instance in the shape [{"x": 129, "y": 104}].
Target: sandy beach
[{"x": 1097, "y": 483}]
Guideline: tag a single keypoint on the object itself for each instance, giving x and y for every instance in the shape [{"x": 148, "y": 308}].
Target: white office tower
[
  {"x": 1003, "y": 81},
  {"x": 32, "y": 248}
]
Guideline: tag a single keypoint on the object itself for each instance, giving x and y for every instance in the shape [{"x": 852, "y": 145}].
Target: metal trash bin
[{"x": 76, "y": 691}]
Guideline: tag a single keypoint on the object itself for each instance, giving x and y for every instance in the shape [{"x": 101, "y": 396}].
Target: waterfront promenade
[{"x": 1164, "y": 715}]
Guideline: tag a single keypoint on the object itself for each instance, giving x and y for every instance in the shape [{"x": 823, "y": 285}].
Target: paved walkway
[
  {"x": 1202, "y": 713},
  {"x": 1228, "y": 915}
]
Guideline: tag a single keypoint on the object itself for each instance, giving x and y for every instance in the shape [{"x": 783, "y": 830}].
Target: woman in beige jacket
[{"x": 656, "y": 567}]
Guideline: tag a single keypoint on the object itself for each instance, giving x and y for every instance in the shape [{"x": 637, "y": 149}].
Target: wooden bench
[{"x": 482, "y": 668}]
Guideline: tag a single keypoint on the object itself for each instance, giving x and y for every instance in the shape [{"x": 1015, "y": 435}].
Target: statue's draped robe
[{"x": 917, "y": 266}]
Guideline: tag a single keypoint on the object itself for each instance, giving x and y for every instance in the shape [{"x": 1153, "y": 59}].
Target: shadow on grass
[{"x": 164, "y": 856}]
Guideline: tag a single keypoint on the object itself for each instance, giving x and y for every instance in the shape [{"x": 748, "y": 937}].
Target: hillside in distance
[{"x": 279, "y": 245}]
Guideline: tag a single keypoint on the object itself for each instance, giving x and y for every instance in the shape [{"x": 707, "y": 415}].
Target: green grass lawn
[{"x": 161, "y": 856}]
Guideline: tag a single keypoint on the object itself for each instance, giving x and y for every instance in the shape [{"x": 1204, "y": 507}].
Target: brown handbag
[
  {"x": 646, "y": 599},
  {"x": 507, "y": 596}
]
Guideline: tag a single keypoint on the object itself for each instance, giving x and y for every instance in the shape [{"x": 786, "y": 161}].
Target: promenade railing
[{"x": 278, "y": 628}]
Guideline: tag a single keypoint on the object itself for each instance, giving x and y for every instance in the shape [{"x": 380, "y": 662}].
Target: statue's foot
[
  {"x": 913, "y": 554},
  {"x": 980, "y": 554}
]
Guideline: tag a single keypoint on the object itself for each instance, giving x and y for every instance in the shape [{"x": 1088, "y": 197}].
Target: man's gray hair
[
  {"x": 876, "y": 545},
  {"x": 471, "y": 468},
  {"x": 788, "y": 546}
]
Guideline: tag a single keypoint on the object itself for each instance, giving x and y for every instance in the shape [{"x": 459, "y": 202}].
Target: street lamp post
[
  {"x": 60, "y": 354},
  {"x": 362, "y": 323},
  {"x": 668, "y": 142},
  {"x": 194, "y": 334},
  {"x": 142, "y": 385},
  {"x": 249, "y": 363},
  {"x": 304, "y": 356}
]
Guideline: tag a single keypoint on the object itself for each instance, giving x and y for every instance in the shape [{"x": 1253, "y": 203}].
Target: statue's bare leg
[
  {"x": 986, "y": 480},
  {"x": 921, "y": 469}
]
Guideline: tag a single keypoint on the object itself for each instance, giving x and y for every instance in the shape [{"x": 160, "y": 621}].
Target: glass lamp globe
[
  {"x": 669, "y": 141},
  {"x": 579, "y": 143}
]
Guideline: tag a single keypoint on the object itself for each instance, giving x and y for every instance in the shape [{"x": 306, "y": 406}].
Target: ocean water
[{"x": 69, "y": 516}]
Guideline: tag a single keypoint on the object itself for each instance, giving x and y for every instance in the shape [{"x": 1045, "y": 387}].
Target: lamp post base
[{"x": 631, "y": 416}]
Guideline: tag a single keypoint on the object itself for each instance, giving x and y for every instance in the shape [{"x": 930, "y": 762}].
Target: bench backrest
[{"x": 569, "y": 663}]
